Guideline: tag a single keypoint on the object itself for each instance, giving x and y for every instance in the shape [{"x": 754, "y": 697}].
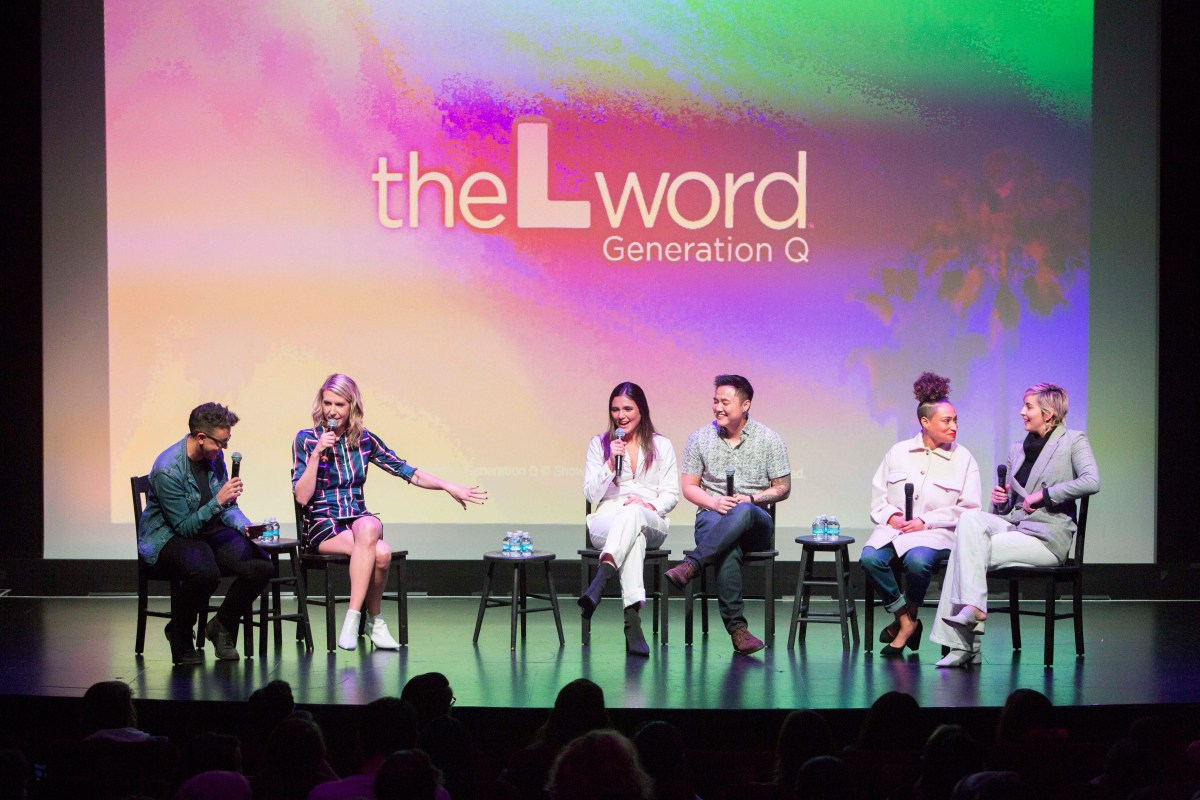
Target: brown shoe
[
  {"x": 745, "y": 642},
  {"x": 223, "y": 640},
  {"x": 682, "y": 572}
]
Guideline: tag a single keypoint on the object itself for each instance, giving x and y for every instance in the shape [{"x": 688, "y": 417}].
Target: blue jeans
[
  {"x": 917, "y": 565},
  {"x": 721, "y": 540}
]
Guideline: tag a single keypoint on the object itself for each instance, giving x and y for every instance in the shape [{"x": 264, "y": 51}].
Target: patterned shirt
[
  {"x": 760, "y": 457},
  {"x": 341, "y": 495}
]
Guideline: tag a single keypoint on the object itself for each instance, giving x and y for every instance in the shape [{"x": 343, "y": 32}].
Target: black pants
[{"x": 198, "y": 564}]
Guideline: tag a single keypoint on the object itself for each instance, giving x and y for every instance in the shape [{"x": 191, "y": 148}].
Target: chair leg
[
  {"x": 402, "y": 598},
  {"x": 554, "y": 604},
  {"x": 585, "y": 578},
  {"x": 330, "y": 632},
  {"x": 839, "y": 567},
  {"x": 139, "y": 643},
  {"x": 704, "y": 600},
  {"x": 655, "y": 570},
  {"x": 1049, "y": 660},
  {"x": 769, "y": 596},
  {"x": 664, "y": 592},
  {"x": 303, "y": 628},
  {"x": 1077, "y": 612},
  {"x": 689, "y": 602},
  {"x": 1014, "y": 612},
  {"x": 868, "y": 614},
  {"x": 276, "y": 603},
  {"x": 487, "y": 586},
  {"x": 850, "y": 607},
  {"x": 518, "y": 603}
]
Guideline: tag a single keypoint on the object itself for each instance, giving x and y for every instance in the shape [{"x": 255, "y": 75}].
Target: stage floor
[{"x": 1137, "y": 653}]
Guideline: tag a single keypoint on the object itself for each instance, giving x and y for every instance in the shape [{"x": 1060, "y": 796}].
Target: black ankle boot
[
  {"x": 591, "y": 598},
  {"x": 635, "y": 641}
]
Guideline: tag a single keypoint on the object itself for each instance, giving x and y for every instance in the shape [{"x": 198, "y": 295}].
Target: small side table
[
  {"x": 801, "y": 615},
  {"x": 270, "y": 609},
  {"x": 520, "y": 592}
]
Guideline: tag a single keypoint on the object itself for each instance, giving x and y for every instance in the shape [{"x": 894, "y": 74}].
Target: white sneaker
[
  {"x": 381, "y": 637},
  {"x": 348, "y": 638}
]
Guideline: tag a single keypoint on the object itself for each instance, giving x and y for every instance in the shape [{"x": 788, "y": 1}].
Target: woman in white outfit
[
  {"x": 1032, "y": 524},
  {"x": 945, "y": 482},
  {"x": 632, "y": 482}
]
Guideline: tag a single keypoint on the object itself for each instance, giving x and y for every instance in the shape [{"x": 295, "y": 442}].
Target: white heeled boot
[
  {"x": 381, "y": 637},
  {"x": 348, "y": 638},
  {"x": 961, "y": 659}
]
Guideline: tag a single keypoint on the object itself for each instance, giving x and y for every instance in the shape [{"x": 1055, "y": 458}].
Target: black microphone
[
  {"x": 619, "y": 433},
  {"x": 908, "y": 495},
  {"x": 729, "y": 481},
  {"x": 323, "y": 466},
  {"x": 1002, "y": 475},
  {"x": 236, "y": 458}
]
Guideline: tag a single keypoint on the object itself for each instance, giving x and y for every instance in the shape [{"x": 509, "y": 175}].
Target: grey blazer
[{"x": 1065, "y": 470}]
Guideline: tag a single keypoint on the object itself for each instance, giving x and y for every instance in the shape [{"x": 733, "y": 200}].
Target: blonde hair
[
  {"x": 344, "y": 387},
  {"x": 1051, "y": 398}
]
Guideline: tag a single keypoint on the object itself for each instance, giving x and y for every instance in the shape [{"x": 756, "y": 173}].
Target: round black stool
[
  {"x": 520, "y": 592},
  {"x": 801, "y": 615}
]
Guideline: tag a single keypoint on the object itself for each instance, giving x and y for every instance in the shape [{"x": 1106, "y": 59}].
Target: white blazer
[
  {"x": 658, "y": 485},
  {"x": 945, "y": 484}
]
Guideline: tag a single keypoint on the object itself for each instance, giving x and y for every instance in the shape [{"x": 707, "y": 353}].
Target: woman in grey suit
[{"x": 1032, "y": 523}]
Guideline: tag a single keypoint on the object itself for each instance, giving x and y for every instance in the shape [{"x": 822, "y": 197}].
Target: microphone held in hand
[
  {"x": 236, "y": 458},
  {"x": 1002, "y": 475},
  {"x": 619, "y": 433},
  {"x": 729, "y": 481},
  {"x": 908, "y": 497}
]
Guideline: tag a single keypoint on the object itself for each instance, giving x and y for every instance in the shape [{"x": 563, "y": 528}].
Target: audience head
[
  {"x": 209, "y": 752},
  {"x": 407, "y": 775},
  {"x": 993, "y": 786},
  {"x": 949, "y": 755},
  {"x": 295, "y": 755},
  {"x": 600, "y": 765},
  {"x": 226, "y": 785},
  {"x": 579, "y": 708},
  {"x": 108, "y": 704},
  {"x": 14, "y": 774},
  {"x": 804, "y": 735},
  {"x": 660, "y": 749},
  {"x": 270, "y": 705},
  {"x": 430, "y": 694},
  {"x": 893, "y": 721},
  {"x": 388, "y": 724},
  {"x": 824, "y": 778},
  {"x": 1024, "y": 712}
]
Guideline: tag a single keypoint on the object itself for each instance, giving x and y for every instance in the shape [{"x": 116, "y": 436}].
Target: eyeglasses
[
  {"x": 453, "y": 699},
  {"x": 221, "y": 443}
]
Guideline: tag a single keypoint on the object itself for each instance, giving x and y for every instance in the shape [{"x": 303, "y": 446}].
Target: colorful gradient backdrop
[{"x": 948, "y": 151}]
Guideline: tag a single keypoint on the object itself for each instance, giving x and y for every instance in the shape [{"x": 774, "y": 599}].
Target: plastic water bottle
[
  {"x": 833, "y": 529},
  {"x": 273, "y": 528},
  {"x": 507, "y": 548},
  {"x": 526, "y": 544},
  {"x": 818, "y": 528}
]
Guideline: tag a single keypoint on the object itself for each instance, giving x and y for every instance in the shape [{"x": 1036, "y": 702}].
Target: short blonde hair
[
  {"x": 1051, "y": 398},
  {"x": 345, "y": 387}
]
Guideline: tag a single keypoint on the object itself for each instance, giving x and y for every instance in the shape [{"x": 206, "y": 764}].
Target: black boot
[
  {"x": 183, "y": 645},
  {"x": 635, "y": 641},
  {"x": 591, "y": 598}
]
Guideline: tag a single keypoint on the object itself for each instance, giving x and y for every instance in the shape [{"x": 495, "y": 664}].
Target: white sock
[{"x": 348, "y": 638}]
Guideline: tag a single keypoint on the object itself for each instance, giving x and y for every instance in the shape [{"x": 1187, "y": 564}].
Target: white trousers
[
  {"x": 625, "y": 532},
  {"x": 982, "y": 541}
]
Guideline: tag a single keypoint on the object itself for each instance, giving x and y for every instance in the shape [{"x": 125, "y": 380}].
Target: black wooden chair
[
  {"x": 1070, "y": 572},
  {"x": 140, "y": 485},
  {"x": 656, "y": 559},
  {"x": 323, "y": 562},
  {"x": 764, "y": 558}
]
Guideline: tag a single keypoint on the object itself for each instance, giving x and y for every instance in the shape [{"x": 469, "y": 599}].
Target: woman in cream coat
[
  {"x": 945, "y": 481},
  {"x": 1032, "y": 524},
  {"x": 632, "y": 480}
]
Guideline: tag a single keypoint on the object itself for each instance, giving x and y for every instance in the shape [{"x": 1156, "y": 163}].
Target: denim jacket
[{"x": 173, "y": 504}]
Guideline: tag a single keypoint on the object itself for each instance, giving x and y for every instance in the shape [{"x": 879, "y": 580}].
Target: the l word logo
[{"x": 535, "y": 209}]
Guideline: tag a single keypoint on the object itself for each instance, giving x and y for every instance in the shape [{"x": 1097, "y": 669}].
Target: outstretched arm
[{"x": 461, "y": 494}]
